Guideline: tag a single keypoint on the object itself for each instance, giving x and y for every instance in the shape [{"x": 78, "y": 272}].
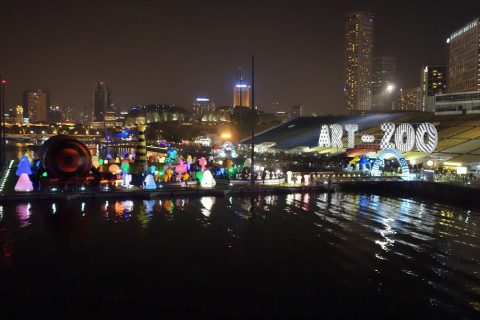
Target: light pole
[
  {"x": 252, "y": 156},
  {"x": 3, "y": 84}
]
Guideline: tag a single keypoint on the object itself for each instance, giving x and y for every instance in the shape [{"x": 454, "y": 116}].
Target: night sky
[{"x": 173, "y": 51}]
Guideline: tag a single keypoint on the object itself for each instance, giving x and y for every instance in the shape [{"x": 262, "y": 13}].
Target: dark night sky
[{"x": 173, "y": 51}]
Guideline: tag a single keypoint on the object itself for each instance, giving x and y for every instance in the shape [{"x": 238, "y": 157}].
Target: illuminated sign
[
  {"x": 462, "y": 31},
  {"x": 203, "y": 99},
  {"x": 403, "y": 137},
  {"x": 241, "y": 85}
]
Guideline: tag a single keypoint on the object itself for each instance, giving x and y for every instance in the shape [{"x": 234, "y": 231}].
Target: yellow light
[
  {"x": 452, "y": 164},
  {"x": 225, "y": 135}
]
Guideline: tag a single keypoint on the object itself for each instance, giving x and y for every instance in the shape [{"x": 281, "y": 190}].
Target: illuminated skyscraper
[
  {"x": 241, "y": 92},
  {"x": 432, "y": 82},
  {"x": 464, "y": 58},
  {"x": 358, "y": 61},
  {"x": 35, "y": 105},
  {"x": 102, "y": 101}
]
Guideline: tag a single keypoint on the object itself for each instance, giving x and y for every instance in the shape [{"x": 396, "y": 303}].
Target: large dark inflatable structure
[{"x": 64, "y": 157}]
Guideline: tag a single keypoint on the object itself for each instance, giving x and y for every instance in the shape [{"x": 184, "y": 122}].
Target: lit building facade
[
  {"x": 383, "y": 83},
  {"x": 19, "y": 114},
  {"x": 358, "y": 61},
  {"x": 241, "y": 92},
  {"x": 35, "y": 105},
  {"x": 410, "y": 99},
  {"x": 202, "y": 106},
  {"x": 102, "y": 101},
  {"x": 432, "y": 81},
  {"x": 464, "y": 58},
  {"x": 457, "y": 103},
  {"x": 296, "y": 111},
  {"x": 55, "y": 114}
]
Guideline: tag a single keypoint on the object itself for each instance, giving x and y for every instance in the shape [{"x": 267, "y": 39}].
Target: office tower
[
  {"x": 35, "y": 105},
  {"x": 202, "y": 106},
  {"x": 358, "y": 61},
  {"x": 463, "y": 60},
  {"x": 241, "y": 92},
  {"x": 383, "y": 83},
  {"x": 19, "y": 114},
  {"x": 102, "y": 101},
  {"x": 296, "y": 111},
  {"x": 410, "y": 99},
  {"x": 55, "y": 114},
  {"x": 432, "y": 81}
]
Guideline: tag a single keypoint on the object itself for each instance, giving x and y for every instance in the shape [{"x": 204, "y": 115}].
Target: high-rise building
[
  {"x": 102, "y": 101},
  {"x": 410, "y": 99},
  {"x": 358, "y": 61},
  {"x": 432, "y": 81},
  {"x": 383, "y": 83},
  {"x": 296, "y": 111},
  {"x": 55, "y": 114},
  {"x": 463, "y": 60},
  {"x": 241, "y": 92},
  {"x": 202, "y": 106},
  {"x": 35, "y": 105},
  {"x": 19, "y": 114}
]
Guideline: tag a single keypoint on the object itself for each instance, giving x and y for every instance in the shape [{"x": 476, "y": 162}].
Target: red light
[{"x": 4, "y": 81}]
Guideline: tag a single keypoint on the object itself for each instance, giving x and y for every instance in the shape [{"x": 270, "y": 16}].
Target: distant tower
[
  {"x": 102, "y": 101},
  {"x": 383, "y": 79},
  {"x": 358, "y": 61},
  {"x": 202, "y": 106},
  {"x": 35, "y": 105},
  {"x": 241, "y": 92},
  {"x": 296, "y": 111}
]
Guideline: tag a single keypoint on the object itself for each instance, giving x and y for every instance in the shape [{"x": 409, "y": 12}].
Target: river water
[{"x": 289, "y": 256}]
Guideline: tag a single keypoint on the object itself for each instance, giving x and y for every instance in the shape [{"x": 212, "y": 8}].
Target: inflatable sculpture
[
  {"x": 207, "y": 180},
  {"x": 24, "y": 184},
  {"x": 64, "y": 157},
  {"x": 149, "y": 183},
  {"x": 202, "y": 162}
]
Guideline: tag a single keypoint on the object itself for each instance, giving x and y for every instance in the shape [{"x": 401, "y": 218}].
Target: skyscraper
[
  {"x": 432, "y": 82},
  {"x": 102, "y": 101},
  {"x": 241, "y": 92},
  {"x": 358, "y": 61},
  {"x": 463, "y": 60},
  {"x": 383, "y": 83},
  {"x": 35, "y": 105}
]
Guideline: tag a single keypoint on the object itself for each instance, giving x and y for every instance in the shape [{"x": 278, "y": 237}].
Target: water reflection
[
  {"x": 381, "y": 243},
  {"x": 207, "y": 203},
  {"x": 1, "y": 213},
  {"x": 123, "y": 209},
  {"x": 23, "y": 212}
]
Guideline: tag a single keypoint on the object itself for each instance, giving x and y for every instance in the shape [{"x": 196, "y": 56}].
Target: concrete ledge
[
  {"x": 434, "y": 191},
  {"x": 143, "y": 194}
]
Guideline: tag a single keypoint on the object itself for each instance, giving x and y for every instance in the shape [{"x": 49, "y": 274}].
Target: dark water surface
[{"x": 294, "y": 256}]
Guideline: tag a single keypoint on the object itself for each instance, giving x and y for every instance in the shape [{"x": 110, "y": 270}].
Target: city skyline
[{"x": 167, "y": 59}]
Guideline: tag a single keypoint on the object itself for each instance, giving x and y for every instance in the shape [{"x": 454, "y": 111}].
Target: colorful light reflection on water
[{"x": 298, "y": 254}]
